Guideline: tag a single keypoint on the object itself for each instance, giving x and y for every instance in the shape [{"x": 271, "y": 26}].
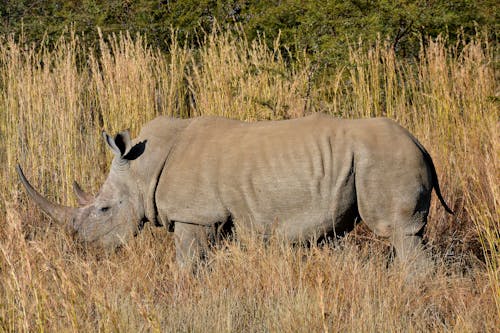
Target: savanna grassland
[{"x": 54, "y": 104}]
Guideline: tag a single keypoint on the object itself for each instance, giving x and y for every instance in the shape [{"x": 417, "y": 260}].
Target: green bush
[{"x": 323, "y": 28}]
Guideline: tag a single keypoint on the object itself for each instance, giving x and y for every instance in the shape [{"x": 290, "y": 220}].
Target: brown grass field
[{"x": 54, "y": 103}]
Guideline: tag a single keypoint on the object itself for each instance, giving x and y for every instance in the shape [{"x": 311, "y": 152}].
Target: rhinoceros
[{"x": 300, "y": 178}]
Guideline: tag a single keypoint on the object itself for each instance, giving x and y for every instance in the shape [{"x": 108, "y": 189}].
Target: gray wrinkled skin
[{"x": 301, "y": 178}]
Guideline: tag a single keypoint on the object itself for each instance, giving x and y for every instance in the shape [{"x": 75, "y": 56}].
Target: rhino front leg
[{"x": 191, "y": 243}]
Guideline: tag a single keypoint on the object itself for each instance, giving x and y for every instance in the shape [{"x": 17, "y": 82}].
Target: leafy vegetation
[{"x": 323, "y": 28}]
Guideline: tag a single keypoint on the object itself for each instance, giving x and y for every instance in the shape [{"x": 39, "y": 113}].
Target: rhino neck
[{"x": 162, "y": 135}]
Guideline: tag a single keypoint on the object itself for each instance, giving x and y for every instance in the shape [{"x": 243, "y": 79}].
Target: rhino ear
[{"x": 120, "y": 144}]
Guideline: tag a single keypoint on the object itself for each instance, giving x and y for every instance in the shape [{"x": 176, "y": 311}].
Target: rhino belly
[{"x": 294, "y": 212}]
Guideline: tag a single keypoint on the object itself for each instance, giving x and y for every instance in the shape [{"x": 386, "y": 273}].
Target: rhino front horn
[{"x": 59, "y": 213}]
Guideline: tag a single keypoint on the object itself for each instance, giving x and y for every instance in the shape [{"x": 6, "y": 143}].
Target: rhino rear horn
[
  {"x": 59, "y": 213},
  {"x": 82, "y": 197}
]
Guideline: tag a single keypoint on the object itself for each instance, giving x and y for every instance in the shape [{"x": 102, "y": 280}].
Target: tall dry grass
[{"x": 54, "y": 103}]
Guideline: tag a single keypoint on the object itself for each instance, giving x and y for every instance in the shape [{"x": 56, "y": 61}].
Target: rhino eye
[{"x": 103, "y": 209}]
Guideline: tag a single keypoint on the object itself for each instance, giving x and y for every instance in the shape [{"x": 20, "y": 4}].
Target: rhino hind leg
[
  {"x": 407, "y": 235},
  {"x": 402, "y": 223},
  {"x": 409, "y": 247},
  {"x": 407, "y": 244}
]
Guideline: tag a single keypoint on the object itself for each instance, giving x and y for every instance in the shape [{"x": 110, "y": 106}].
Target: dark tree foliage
[{"x": 323, "y": 27}]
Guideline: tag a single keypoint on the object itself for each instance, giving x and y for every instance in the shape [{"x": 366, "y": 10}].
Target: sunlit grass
[{"x": 54, "y": 104}]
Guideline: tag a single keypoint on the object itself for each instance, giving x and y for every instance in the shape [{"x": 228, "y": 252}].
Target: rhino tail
[{"x": 435, "y": 182}]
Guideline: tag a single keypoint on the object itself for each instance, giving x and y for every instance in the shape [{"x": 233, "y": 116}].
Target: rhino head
[{"x": 116, "y": 213}]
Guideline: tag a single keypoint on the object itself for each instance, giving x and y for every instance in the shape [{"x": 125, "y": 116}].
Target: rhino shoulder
[{"x": 164, "y": 126}]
